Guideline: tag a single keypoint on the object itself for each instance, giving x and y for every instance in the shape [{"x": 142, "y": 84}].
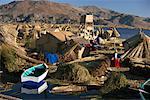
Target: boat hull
[
  {"x": 31, "y": 90},
  {"x": 34, "y": 78}
]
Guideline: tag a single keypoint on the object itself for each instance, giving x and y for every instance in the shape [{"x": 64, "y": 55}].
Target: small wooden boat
[
  {"x": 145, "y": 90},
  {"x": 34, "y": 88},
  {"x": 35, "y": 74}
]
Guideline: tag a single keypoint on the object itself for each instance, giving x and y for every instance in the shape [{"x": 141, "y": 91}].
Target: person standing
[{"x": 117, "y": 60}]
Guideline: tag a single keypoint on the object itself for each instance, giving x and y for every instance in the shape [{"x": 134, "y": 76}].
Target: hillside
[
  {"x": 37, "y": 11},
  {"x": 111, "y": 17},
  {"x": 52, "y": 12}
]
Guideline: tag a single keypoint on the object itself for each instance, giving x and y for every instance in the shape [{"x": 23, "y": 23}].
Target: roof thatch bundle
[
  {"x": 13, "y": 57},
  {"x": 114, "y": 83},
  {"x": 138, "y": 47},
  {"x": 74, "y": 73},
  {"x": 68, "y": 51},
  {"x": 138, "y": 50},
  {"x": 109, "y": 33},
  {"x": 115, "y": 33},
  {"x": 85, "y": 73}
]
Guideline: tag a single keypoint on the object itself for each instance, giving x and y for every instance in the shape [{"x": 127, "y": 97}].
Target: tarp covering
[{"x": 51, "y": 58}]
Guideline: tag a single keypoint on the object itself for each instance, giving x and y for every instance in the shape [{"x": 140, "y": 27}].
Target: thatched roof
[
  {"x": 61, "y": 35},
  {"x": 137, "y": 54},
  {"x": 137, "y": 46},
  {"x": 109, "y": 33},
  {"x": 115, "y": 33}
]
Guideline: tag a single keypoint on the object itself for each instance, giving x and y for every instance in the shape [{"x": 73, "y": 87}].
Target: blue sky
[{"x": 135, "y": 7}]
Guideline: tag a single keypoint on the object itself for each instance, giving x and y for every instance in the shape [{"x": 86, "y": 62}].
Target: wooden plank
[
  {"x": 71, "y": 50},
  {"x": 115, "y": 69},
  {"x": 136, "y": 51},
  {"x": 105, "y": 52},
  {"x": 141, "y": 54},
  {"x": 126, "y": 54},
  {"x": 139, "y": 50},
  {"x": 132, "y": 51},
  {"x": 146, "y": 48},
  {"x": 116, "y": 47},
  {"x": 91, "y": 58},
  {"x": 141, "y": 65}
]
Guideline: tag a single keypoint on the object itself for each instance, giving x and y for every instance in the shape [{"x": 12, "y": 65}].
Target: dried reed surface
[
  {"x": 13, "y": 55},
  {"x": 115, "y": 82},
  {"x": 86, "y": 73},
  {"x": 74, "y": 73},
  {"x": 138, "y": 53}
]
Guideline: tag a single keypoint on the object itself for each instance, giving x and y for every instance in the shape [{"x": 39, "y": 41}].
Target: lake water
[
  {"x": 127, "y": 33},
  {"x": 130, "y": 94},
  {"x": 92, "y": 94}
]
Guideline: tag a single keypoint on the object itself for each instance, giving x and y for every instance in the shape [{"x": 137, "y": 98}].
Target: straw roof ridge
[{"x": 139, "y": 46}]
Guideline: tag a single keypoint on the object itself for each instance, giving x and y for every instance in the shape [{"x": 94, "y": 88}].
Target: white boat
[
  {"x": 35, "y": 74},
  {"x": 37, "y": 90}
]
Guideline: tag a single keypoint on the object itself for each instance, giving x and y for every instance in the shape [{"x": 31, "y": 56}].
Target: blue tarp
[{"x": 51, "y": 58}]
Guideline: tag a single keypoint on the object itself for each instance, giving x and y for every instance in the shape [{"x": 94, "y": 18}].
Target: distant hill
[
  {"x": 51, "y": 12},
  {"x": 28, "y": 10},
  {"x": 111, "y": 17}
]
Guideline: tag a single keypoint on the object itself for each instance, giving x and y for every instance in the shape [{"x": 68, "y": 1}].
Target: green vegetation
[
  {"x": 28, "y": 42},
  {"x": 75, "y": 73},
  {"x": 100, "y": 22},
  {"x": 127, "y": 20},
  {"x": 147, "y": 19},
  {"x": 114, "y": 17},
  {"x": 115, "y": 82},
  {"x": 9, "y": 58}
]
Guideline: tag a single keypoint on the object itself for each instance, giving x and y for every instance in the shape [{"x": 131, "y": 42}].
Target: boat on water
[
  {"x": 35, "y": 74},
  {"x": 145, "y": 90},
  {"x": 33, "y": 87}
]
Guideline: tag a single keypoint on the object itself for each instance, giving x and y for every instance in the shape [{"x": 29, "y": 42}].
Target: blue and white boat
[
  {"x": 33, "y": 87},
  {"x": 35, "y": 74}
]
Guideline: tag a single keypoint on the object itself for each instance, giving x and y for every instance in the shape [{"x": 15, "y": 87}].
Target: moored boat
[
  {"x": 35, "y": 74},
  {"x": 34, "y": 88}
]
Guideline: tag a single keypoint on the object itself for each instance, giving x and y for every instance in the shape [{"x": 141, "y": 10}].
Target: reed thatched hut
[{"x": 49, "y": 41}]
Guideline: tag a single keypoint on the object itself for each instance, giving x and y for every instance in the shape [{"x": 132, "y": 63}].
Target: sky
[{"x": 134, "y": 7}]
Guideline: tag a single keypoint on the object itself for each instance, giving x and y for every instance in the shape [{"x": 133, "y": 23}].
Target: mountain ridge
[{"x": 46, "y": 11}]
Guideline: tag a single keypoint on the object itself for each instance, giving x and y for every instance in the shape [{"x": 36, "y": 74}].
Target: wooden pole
[{"x": 86, "y": 59}]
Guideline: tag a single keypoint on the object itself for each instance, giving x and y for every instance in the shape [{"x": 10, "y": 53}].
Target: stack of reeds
[
  {"x": 86, "y": 72},
  {"x": 138, "y": 51}
]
